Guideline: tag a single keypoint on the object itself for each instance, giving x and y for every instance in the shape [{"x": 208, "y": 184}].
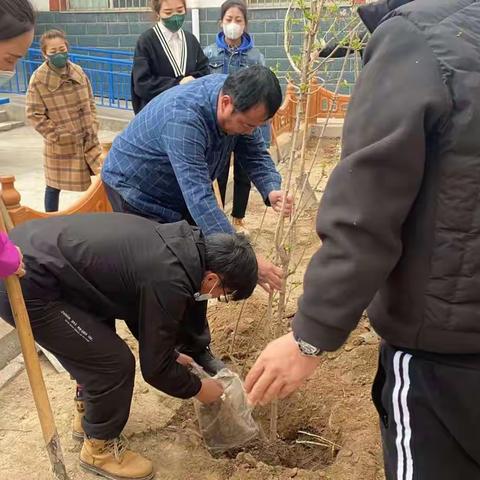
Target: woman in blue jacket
[{"x": 232, "y": 51}]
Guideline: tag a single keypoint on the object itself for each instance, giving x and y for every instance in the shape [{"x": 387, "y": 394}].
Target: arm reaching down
[
  {"x": 366, "y": 201},
  {"x": 159, "y": 316}
]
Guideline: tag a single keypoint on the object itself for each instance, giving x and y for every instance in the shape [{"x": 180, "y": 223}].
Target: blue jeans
[{"x": 52, "y": 197}]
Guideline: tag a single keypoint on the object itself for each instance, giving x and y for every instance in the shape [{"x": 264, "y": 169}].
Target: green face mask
[
  {"x": 175, "y": 22},
  {"x": 58, "y": 60}
]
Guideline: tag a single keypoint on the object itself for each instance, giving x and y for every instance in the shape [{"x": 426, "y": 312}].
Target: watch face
[{"x": 307, "y": 348}]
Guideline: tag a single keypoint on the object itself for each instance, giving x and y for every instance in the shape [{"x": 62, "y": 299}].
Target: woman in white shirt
[{"x": 165, "y": 55}]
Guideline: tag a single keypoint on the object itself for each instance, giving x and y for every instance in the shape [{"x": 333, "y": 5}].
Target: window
[
  {"x": 267, "y": 3},
  {"x": 130, "y": 3},
  {"x": 107, "y": 4}
]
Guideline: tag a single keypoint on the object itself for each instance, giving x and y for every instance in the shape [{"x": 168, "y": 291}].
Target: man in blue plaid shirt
[{"x": 163, "y": 164}]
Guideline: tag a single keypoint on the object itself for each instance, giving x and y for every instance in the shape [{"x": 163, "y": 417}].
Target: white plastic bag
[{"x": 227, "y": 423}]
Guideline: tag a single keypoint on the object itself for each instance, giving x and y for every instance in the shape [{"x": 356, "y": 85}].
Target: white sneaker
[{"x": 240, "y": 227}]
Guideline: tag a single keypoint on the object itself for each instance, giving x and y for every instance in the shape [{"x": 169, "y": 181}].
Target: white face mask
[
  {"x": 232, "y": 30},
  {"x": 5, "y": 76},
  {"x": 202, "y": 297}
]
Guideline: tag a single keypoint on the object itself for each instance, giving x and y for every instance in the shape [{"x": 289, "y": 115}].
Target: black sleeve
[
  {"x": 344, "y": 49},
  {"x": 371, "y": 191},
  {"x": 329, "y": 51},
  {"x": 145, "y": 84},
  {"x": 159, "y": 317},
  {"x": 202, "y": 67}
]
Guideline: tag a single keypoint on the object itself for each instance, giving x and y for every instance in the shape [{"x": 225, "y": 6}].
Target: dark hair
[
  {"x": 252, "y": 86},
  {"x": 50, "y": 35},
  {"x": 226, "y": 6},
  {"x": 232, "y": 258},
  {"x": 16, "y": 18},
  {"x": 157, "y": 4}
]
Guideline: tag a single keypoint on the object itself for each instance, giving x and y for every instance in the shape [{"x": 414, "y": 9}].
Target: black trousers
[
  {"x": 52, "y": 199},
  {"x": 88, "y": 347},
  {"x": 429, "y": 407},
  {"x": 194, "y": 335},
  {"x": 241, "y": 188}
]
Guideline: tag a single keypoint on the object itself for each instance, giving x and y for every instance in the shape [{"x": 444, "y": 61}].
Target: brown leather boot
[
  {"x": 77, "y": 428},
  {"x": 112, "y": 459}
]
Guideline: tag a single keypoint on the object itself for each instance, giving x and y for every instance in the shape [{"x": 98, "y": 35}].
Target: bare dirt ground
[{"x": 334, "y": 405}]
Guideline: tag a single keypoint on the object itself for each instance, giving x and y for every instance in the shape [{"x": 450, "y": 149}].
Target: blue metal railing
[
  {"x": 95, "y": 52},
  {"x": 109, "y": 76}
]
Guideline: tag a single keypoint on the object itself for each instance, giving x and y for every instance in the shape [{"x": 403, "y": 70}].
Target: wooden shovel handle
[{"x": 32, "y": 364}]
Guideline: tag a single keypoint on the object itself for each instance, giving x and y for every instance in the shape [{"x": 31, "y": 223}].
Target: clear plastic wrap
[{"x": 227, "y": 423}]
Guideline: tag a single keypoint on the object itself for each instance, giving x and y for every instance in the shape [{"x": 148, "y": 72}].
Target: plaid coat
[{"x": 62, "y": 109}]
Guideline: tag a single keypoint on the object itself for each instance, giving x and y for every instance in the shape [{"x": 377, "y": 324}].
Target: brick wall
[{"x": 114, "y": 30}]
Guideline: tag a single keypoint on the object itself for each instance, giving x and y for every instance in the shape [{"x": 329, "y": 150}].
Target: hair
[
  {"x": 16, "y": 18},
  {"x": 252, "y": 86},
  {"x": 232, "y": 258},
  {"x": 157, "y": 4},
  {"x": 50, "y": 35},
  {"x": 226, "y": 6}
]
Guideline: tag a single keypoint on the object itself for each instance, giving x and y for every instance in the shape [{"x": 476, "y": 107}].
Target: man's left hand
[
  {"x": 184, "y": 360},
  {"x": 279, "y": 370},
  {"x": 186, "y": 80},
  {"x": 276, "y": 201}
]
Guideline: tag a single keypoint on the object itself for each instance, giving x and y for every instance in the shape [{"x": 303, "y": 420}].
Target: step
[
  {"x": 3, "y": 116},
  {"x": 334, "y": 128},
  {"x": 9, "y": 345},
  {"x": 6, "y": 126}
]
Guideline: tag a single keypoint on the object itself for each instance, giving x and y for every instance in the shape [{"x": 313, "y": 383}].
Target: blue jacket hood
[{"x": 247, "y": 42}]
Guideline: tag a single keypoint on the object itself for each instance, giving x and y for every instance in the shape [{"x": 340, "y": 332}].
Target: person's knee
[
  {"x": 117, "y": 372},
  {"x": 126, "y": 363}
]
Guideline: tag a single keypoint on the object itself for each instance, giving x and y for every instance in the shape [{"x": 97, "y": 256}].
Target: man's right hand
[
  {"x": 269, "y": 275},
  {"x": 210, "y": 392}
]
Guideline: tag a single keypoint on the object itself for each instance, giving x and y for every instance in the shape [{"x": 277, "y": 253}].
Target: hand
[
  {"x": 276, "y": 201},
  {"x": 186, "y": 79},
  {"x": 184, "y": 360},
  {"x": 270, "y": 277},
  {"x": 279, "y": 370},
  {"x": 210, "y": 392},
  {"x": 21, "y": 267}
]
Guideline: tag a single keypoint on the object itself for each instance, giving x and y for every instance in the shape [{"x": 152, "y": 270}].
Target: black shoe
[{"x": 211, "y": 364}]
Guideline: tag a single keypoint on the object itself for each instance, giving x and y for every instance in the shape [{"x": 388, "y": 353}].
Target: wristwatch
[{"x": 306, "y": 348}]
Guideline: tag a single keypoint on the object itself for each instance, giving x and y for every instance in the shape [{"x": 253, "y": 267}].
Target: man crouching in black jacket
[{"x": 84, "y": 272}]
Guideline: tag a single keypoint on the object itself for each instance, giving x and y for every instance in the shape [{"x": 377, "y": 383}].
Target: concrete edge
[{"x": 11, "y": 370}]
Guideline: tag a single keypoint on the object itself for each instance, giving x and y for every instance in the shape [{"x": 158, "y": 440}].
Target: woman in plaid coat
[{"x": 61, "y": 107}]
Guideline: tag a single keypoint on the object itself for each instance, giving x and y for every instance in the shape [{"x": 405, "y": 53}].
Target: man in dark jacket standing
[
  {"x": 83, "y": 272},
  {"x": 399, "y": 222}
]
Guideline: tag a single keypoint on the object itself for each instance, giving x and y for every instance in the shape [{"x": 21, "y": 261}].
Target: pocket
[
  {"x": 216, "y": 65},
  {"x": 377, "y": 390},
  {"x": 67, "y": 144}
]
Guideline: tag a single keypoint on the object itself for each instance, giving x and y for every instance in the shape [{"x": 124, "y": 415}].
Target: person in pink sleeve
[
  {"x": 17, "y": 21},
  {"x": 10, "y": 258}
]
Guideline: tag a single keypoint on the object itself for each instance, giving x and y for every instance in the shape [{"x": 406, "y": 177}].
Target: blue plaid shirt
[{"x": 164, "y": 162}]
